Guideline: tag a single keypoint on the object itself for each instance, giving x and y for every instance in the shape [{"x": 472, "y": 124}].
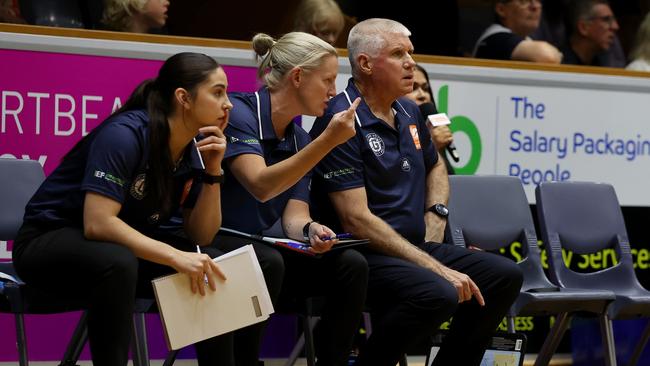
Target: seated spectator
[
  {"x": 322, "y": 18},
  {"x": 422, "y": 93},
  {"x": 641, "y": 52},
  {"x": 9, "y": 12},
  {"x": 137, "y": 16},
  {"x": 552, "y": 24},
  {"x": 509, "y": 38},
  {"x": 593, "y": 28}
]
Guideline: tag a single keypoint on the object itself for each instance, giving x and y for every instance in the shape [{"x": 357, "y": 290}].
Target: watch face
[{"x": 441, "y": 209}]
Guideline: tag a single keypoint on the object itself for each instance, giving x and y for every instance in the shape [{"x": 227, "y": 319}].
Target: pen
[
  {"x": 205, "y": 276},
  {"x": 338, "y": 236}
]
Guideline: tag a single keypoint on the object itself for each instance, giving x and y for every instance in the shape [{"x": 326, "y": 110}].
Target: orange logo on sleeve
[{"x": 415, "y": 136}]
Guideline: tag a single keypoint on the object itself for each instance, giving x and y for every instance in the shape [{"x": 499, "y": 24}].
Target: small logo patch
[
  {"x": 406, "y": 165},
  {"x": 415, "y": 136},
  {"x": 137, "y": 188},
  {"x": 376, "y": 144}
]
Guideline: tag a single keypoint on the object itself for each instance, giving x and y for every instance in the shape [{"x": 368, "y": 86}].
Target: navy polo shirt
[
  {"x": 391, "y": 163},
  {"x": 250, "y": 131},
  {"x": 112, "y": 161}
]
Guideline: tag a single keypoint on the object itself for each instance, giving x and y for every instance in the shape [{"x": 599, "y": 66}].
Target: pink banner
[{"x": 48, "y": 101}]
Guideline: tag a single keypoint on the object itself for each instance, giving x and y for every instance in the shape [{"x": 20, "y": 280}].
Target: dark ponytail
[{"x": 183, "y": 70}]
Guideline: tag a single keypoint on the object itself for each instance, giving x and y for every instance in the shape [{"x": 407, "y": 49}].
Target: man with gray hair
[
  {"x": 388, "y": 184},
  {"x": 593, "y": 28}
]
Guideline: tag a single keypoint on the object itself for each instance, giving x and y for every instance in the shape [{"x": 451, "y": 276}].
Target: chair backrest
[
  {"x": 19, "y": 179},
  {"x": 492, "y": 212},
  {"x": 585, "y": 218}
]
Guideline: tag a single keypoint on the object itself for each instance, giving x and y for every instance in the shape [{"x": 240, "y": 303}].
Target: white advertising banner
[{"x": 542, "y": 126}]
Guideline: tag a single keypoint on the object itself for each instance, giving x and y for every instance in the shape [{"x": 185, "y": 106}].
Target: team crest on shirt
[
  {"x": 376, "y": 144},
  {"x": 137, "y": 188}
]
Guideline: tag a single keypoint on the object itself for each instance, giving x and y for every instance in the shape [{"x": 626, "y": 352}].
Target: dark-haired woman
[
  {"x": 90, "y": 230},
  {"x": 422, "y": 93}
]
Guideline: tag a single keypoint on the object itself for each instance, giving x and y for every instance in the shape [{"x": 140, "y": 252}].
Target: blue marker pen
[{"x": 338, "y": 236}]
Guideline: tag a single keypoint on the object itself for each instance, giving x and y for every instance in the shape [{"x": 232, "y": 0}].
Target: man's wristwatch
[
  {"x": 305, "y": 230},
  {"x": 212, "y": 179},
  {"x": 439, "y": 209}
]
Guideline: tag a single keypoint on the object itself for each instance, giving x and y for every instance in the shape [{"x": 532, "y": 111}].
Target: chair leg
[
  {"x": 607, "y": 333},
  {"x": 553, "y": 340},
  {"x": 295, "y": 352},
  {"x": 308, "y": 330},
  {"x": 640, "y": 345},
  {"x": 21, "y": 339},
  {"x": 140, "y": 350},
  {"x": 367, "y": 324},
  {"x": 77, "y": 342},
  {"x": 306, "y": 341},
  {"x": 171, "y": 357},
  {"x": 511, "y": 324}
]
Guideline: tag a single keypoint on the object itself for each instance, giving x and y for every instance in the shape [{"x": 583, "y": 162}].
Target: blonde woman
[
  {"x": 641, "y": 53},
  {"x": 268, "y": 164},
  {"x": 137, "y": 16},
  {"x": 322, "y": 18}
]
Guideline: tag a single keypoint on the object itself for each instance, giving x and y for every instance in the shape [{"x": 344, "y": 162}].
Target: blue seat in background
[
  {"x": 19, "y": 179},
  {"x": 491, "y": 212},
  {"x": 586, "y": 218}
]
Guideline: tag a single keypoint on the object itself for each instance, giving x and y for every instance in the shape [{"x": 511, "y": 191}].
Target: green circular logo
[{"x": 464, "y": 124}]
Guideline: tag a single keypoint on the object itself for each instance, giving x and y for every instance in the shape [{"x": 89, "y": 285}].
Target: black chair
[
  {"x": 19, "y": 179},
  {"x": 54, "y": 13},
  {"x": 491, "y": 212},
  {"x": 308, "y": 311},
  {"x": 586, "y": 218}
]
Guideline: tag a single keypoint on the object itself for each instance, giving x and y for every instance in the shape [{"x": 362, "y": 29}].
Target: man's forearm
[
  {"x": 437, "y": 192},
  {"x": 386, "y": 240}
]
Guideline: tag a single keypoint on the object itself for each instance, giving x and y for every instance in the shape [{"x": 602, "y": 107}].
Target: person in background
[
  {"x": 593, "y": 28},
  {"x": 508, "y": 39},
  {"x": 322, "y": 18},
  {"x": 421, "y": 94},
  {"x": 435, "y": 30},
  {"x": 268, "y": 163},
  {"x": 10, "y": 12},
  {"x": 388, "y": 185},
  {"x": 640, "y": 54},
  {"x": 91, "y": 229},
  {"x": 137, "y": 16}
]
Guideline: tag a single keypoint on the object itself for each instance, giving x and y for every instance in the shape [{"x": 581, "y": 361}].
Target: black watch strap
[
  {"x": 439, "y": 209},
  {"x": 212, "y": 179},
  {"x": 305, "y": 230}
]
